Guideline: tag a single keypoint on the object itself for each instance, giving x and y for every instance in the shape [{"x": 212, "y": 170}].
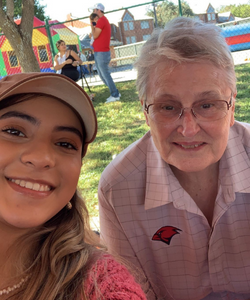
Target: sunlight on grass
[
  {"x": 122, "y": 123},
  {"x": 242, "y": 106},
  {"x": 119, "y": 124}
]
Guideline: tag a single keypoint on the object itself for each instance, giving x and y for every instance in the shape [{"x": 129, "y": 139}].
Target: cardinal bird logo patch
[{"x": 165, "y": 234}]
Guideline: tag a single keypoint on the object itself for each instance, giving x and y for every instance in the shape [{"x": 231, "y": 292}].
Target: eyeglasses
[{"x": 205, "y": 110}]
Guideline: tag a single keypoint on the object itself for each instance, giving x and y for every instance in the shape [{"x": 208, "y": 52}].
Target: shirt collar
[
  {"x": 235, "y": 163},
  {"x": 162, "y": 187}
]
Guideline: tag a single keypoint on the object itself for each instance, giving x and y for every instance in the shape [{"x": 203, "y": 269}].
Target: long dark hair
[{"x": 60, "y": 252}]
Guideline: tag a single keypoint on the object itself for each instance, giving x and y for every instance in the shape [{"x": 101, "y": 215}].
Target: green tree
[
  {"x": 240, "y": 11},
  {"x": 20, "y": 36},
  {"x": 167, "y": 10},
  {"x": 225, "y": 8},
  {"x": 39, "y": 9}
]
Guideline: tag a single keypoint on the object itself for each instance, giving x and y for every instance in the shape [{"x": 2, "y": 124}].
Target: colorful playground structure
[
  {"x": 44, "y": 43},
  {"x": 237, "y": 36},
  {"x": 9, "y": 63}
]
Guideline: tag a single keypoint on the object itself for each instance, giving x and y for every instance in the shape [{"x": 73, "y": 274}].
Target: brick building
[
  {"x": 127, "y": 29},
  {"x": 208, "y": 14}
]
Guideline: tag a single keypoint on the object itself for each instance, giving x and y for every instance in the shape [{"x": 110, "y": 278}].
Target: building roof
[
  {"x": 225, "y": 17},
  {"x": 201, "y": 8},
  {"x": 116, "y": 17},
  {"x": 225, "y": 14},
  {"x": 82, "y": 29}
]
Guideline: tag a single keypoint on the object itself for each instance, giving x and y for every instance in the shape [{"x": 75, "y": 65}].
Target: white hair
[{"x": 184, "y": 40}]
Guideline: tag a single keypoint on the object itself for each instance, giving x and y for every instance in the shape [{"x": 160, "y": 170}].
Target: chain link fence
[{"x": 130, "y": 28}]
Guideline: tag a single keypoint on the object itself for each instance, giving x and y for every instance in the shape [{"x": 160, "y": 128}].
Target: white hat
[{"x": 98, "y": 6}]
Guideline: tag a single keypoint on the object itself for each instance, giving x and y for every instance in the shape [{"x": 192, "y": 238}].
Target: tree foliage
[
  {"x": 39, "y": 9},
  {"x": 240, "y": 11},
  {"x": 167, "y": 10}
]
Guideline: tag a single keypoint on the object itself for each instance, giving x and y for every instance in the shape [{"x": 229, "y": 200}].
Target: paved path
[
  {"x": 240, "y": 57},
  {"x": 118, "y": 76}
]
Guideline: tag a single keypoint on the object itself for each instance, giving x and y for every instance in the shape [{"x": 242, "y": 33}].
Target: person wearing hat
[
  {"x": 47, "y": 249},
  {"x": 101, "y": 32}
]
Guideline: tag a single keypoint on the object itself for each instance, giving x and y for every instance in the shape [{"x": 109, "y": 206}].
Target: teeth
[
  {"x": 32, "y": 186},
  {"x": 190, "y": 146},
  {"x": 22, "y": 183},
  {"x": 28, "y": 185},
  {"x": 36, "y": 187}
]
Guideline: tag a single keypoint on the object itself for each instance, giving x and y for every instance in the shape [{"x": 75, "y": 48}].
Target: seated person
[
  {"x": 82, "y": 69},
  {"x": 67, "y": 61}
]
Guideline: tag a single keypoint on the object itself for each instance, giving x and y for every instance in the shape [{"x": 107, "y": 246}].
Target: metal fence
[{"x": 130, "y": 28}]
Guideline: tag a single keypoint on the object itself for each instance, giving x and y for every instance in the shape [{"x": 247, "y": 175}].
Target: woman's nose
[
  {"x": 188, "y": 123},
  {"x": 38, "y": 155}
]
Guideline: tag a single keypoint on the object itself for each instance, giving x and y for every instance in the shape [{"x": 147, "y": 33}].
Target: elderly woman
[{"x": 176, "y": 203}]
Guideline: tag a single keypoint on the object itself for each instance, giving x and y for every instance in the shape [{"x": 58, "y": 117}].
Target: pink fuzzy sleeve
[{"x": 110, "y": 280}]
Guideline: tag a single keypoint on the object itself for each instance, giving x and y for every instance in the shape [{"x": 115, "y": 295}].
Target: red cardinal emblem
[{"x": 165, "y": 234}]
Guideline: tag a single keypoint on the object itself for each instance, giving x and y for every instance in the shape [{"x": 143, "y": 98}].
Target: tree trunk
[{"x": 20, "y": 36}]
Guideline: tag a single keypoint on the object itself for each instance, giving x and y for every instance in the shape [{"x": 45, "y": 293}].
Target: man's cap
[
  {"x": 98, "y": 6},
  {"x": 56, "y": 85}
]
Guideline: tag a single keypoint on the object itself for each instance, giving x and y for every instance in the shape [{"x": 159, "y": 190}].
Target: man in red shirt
[{"x": 101, "y": 33}]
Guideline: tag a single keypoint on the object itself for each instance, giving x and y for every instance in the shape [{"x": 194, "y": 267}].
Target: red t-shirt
[{"x": 101, "y": 44}]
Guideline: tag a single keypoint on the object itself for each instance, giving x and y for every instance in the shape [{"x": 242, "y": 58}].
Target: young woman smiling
[{"x": 47, "y": 249}]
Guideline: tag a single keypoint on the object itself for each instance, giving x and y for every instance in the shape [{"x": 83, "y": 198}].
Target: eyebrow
[
  {"x": 34, "y": 121},
  {"x": 17, "y": 114},
  {"x": 164, "y": 97},
  {"x": 211, "y": 93},
  {"x": 70, "y": 129}
]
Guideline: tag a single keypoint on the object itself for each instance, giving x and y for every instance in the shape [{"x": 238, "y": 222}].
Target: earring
[{"x": 69, "y": 205}]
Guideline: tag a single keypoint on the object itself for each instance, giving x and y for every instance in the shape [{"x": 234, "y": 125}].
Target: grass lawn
[{"x": 121, "y": 123}]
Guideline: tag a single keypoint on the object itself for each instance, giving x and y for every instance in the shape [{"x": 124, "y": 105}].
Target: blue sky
[{"x": 58, "y": 9}]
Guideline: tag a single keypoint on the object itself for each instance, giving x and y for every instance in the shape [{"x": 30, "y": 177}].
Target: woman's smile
[
  {"x": 188, "y": 146},
  {"x": 31, "y": 185},
  {"x": 40, "y": 160}
]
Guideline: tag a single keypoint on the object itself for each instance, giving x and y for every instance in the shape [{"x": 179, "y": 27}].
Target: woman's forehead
[{"x": 196, "y": 78}]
